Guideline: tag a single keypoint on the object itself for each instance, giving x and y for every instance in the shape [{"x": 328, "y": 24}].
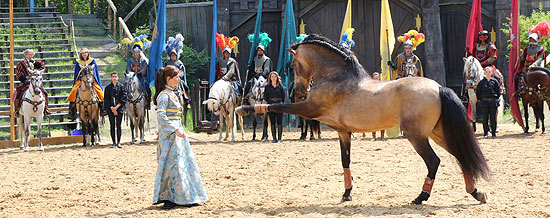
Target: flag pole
[
  {"x": 12, "y": 126},
  {"x": 389, "y": 52}
]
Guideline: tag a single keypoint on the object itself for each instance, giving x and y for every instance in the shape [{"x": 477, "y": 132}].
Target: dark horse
[
  {"x": 345, "y": 98},
  {"x": 530, "y": 87},
  {"x": 534, "y": 89},
  {"x": 303, "y": 123}
]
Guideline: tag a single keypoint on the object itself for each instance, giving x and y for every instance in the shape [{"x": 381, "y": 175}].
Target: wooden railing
[{"x": 113, "y": 19}]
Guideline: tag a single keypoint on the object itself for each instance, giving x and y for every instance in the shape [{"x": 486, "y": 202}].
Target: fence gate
[{"x": 201, "y": 115}]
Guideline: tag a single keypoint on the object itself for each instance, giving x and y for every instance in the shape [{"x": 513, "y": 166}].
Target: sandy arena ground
[{"x": 291, "y": 179}]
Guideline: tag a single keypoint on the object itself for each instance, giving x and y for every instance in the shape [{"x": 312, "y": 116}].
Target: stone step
[
  {"x": 93, "y": 42},
  {"x": 87, "y": 32},
  {"x": 78, "y": 16},
  {"x": 85, "y": 22},
  {"x": 28, "y": 14}
]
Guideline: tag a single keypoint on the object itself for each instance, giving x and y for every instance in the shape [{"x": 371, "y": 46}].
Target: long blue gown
[{"x": 178, "y": 178}]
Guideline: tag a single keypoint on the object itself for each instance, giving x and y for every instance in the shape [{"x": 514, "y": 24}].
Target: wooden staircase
[{"x": 46, "y": 33}]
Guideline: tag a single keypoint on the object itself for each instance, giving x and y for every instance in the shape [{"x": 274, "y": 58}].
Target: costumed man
[
  {"x": 174, "y": 49},
  {"x": 486, "y": 51},
  {"x": 84, "y": 60},
  {"x": 410, "y": 40},
  {"x": 23, "y": 73},
  {"x": 261, "y": 64},
  {"x": 227, "y": 67},
  {"x": 138, "y": 65},
  {"x": 534, "y": 54}
]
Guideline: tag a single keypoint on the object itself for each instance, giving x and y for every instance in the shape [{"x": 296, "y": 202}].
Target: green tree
[{"x": 525, "y": 22}]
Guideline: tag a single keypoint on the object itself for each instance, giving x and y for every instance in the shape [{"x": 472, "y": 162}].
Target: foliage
[
  {"x": 527, "y": 21},
  {"x": 194, "y": 61}
]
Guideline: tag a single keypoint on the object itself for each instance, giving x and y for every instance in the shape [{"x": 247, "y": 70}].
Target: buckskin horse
[
  {"x": 345, "y": 98},
  {"x": 87, "y": 105}
]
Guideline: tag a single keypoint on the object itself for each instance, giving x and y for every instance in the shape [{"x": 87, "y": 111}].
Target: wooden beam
[
  {"x": 483, "y": 11},
  {"x": 243, "y": 22},
  {"x": 410, "y": 5},
  {"x": 12, "y": 85},
  {"x": 309, "y": 8},
  {"x": 45, "y": 141},
  {"x": 133, "y": 10}
]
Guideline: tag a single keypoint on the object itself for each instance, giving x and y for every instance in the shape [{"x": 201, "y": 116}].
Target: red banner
[
  {"x": 513, "y": 63},
  {"x": 474, "y": 27}
]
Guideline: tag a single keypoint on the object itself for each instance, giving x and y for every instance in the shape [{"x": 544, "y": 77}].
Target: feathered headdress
[
  {"x": 347, "y": 40},
  {"x": 412, "y": 38},
  {"x": 539, "y": 31},
  {"x": 140, "y": 43},
  {"x": 226, "y": 43},
  {"x": 263, "y": 42},
  {"x": 301, "y": 38},
  {"x": 174, "y": 45}
]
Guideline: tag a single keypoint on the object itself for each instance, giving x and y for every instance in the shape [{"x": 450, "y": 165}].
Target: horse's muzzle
[{"x": 36, "y": 91}]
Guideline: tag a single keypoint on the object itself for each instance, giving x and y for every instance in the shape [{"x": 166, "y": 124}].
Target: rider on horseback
[
  {"x": 533, "y": 55},
  {"x": 227, "y": 67},
  {"x": 174, "y": 49},
  {"x": 139, "y": 66},
  {"x": 261, "y": 64},
  {"x": 23, "y": 74},
  {"x": 410, "y": 40},
  {"x": 83, "y": 61},
  {"x": 486, "y": 51}
]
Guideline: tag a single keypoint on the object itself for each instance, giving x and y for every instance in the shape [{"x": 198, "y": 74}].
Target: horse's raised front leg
[
  {"x": 27, "y": 131},
  {"x": 345, "y": 149},
  {"x": 305, "y": 109}
]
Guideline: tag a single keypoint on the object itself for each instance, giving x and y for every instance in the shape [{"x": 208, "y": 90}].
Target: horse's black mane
[
  {"x": 352, "y": 65},
  {"x": 540, "y": 69}
]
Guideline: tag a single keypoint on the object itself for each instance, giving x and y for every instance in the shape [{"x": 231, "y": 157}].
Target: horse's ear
[
  {"x": 291, "y": 51},
  {"x": 464, "y": 58}
]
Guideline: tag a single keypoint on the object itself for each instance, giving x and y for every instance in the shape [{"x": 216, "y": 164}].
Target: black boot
[{"x": 72, "y": 111}]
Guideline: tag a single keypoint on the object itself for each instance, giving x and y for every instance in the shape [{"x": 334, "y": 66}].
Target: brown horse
[
  {"x": 534, "y": 89},
  {"x": 345, "y": 98}
]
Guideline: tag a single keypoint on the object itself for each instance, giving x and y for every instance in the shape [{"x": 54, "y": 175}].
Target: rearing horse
[
  {"x": 420, "y": 106},
  {"x": 87, "y": 105}
]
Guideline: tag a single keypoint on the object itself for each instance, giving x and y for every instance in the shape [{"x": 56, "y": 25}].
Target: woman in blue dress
[{"x": 178, "y": 180}]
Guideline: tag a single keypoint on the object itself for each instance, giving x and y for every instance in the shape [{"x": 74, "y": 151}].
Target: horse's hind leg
[
  {"x": 302, "y": 125},
  {"x": 84, "y": 133},
  {"x": 542, "y": 117},
  {"x": 132, "y": 126},
  {"x": 141, "y": 127},
  {"x": 438, "y": 137},
  {"x": 526, "y": 115},
  {"x": 240, "y": 119},
  {"x": 423, "y": 148},
  {"x": 345, "y": 149}
]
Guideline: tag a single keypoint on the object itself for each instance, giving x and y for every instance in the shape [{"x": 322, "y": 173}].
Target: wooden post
[
  {"x": 12, "y": 125},
  {"x": 46, "y": 4},
  {"x": 114, "y": 25},
  {"x": 502, "y": 9},
  {"x": 434, "y": 63},
  {"x": 109, "y": 18}
]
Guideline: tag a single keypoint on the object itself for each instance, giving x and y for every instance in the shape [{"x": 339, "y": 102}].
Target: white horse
[
  {"x": 257, "y": 97},
  {"x": 222, "y": 101},
  {"x": 33, "y": 105},
  {"x": 473, "y": 73},
  {"x": 135, "y": 106},
  {"x": 410, "y": 69}
]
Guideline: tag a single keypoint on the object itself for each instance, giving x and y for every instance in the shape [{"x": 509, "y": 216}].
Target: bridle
[
  {"x": 410, "y": 67},
  {"x": 130, "y": 88},
  {"x": 35, "y": 78},
  {"x": 94, "y": 100}
]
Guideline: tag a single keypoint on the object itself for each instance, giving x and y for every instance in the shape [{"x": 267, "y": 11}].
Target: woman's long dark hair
[
  {"x": 279, "y": 83},
  {"x": 162, "y": 77}
]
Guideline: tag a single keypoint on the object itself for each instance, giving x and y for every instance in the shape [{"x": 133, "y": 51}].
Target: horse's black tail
[{"x": 459, "y": 135}]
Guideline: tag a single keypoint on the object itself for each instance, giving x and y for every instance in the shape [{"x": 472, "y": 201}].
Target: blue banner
[
  {"x": 159, "y": 40},
  {"x": 256, "y": 38},
  {"x": 213, "y": 59},
  {"x": 288, "y": 37}
]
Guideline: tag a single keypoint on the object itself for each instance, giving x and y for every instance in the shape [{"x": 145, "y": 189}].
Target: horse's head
[
  {"x": 302, "y": 72},
  {"x": 87, "y": 77},
  {"x": 258, "y": 88},
  {"x": 36, "y": 82},
  {"x": 129, "y": 83},
  {"x": 410, "y": 68},
  {"x": 212, "y": 105},
  {"x": 473, "y": 72}
]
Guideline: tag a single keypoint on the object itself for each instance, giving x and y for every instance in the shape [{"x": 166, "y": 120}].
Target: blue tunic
[
  {"x": 178, "y": 178},
  {"x": 90, "y": 61}
]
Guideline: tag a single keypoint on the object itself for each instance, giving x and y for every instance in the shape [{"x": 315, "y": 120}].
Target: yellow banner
[
  {"x": 347, "y": 20},
  {"x": 387, "y": 40}
]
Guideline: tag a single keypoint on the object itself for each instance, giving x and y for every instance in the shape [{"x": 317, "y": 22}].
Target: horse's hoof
[
  {"x": 302, "y": 138},
  {"x": 525, "y": 134},
  {"x": 537, "y": 129},
  {"x": 26, "y": 150},
  {"x": 83, "y": 146},
  {"x": 41, "y": 149},
  {"x": 422, "y": 197},
  {"x": 346, "y": 198},
  {"x": 481, "y": 197},
  {"x": 543, "y": 132}
]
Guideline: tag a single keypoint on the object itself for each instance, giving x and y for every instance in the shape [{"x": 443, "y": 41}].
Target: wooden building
[{"x": 443, "y": 22}]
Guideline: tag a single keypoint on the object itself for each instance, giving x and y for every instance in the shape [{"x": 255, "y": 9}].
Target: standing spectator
[
  {"x": 275, "y": 94},
  {"x": 488, "y": 91},
  {"x": 115, "y": 99}
]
